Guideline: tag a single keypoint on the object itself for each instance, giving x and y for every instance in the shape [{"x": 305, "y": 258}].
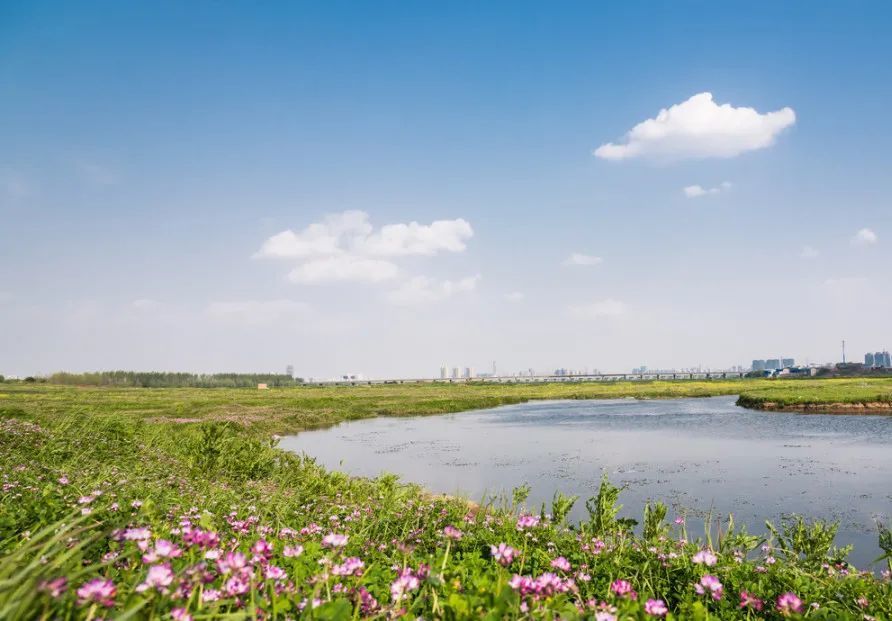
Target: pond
[{"x": 696, "y": 455}]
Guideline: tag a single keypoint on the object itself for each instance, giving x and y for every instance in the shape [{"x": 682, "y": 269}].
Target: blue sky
[{"x": 149, "y": 150}]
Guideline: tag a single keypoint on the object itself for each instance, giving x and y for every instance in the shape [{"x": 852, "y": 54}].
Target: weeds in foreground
[{"x": 113, "y": 517}]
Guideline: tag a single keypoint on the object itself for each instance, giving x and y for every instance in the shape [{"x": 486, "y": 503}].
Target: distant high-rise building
[
  {"x": 881, "y": 359},
  {"x": 887, "y": 360},
  {"x": 469, "y": 372},
  {"x": 456, "y": 373},
  {"x": 444, "y": 372},
  {"x": 758, "y": 365},
  {"x": 788, "y": 362},
  {"x": 289, "y": 370},
  {"x": 773, "y": 364},
  {"x": 869, "y": 359}
]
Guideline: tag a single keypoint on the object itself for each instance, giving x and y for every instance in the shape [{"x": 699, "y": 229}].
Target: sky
[{"x": 387, "y": 188}]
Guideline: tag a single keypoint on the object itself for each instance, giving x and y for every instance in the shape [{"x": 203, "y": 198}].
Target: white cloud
[
  {"x": 320, "y": 238},
  {"x": 350, "y": 232},
  {"x": 700, "y": 128},
  {"x": 865, "y": 237},
  {"x": 422, "y": 290},
  {"x": 695, "y": 191},
  {"x": 577, "y": 258},
  {"x": 345, "y": 247},
  {"x": 596, "y": 310},
  {"x": 343, "y": 268},
  {"x": 515, "y": 296},
  {"x": 417, "y": 239},
  {"x": 808, "y": 252},
  {"x": 257, "y": 312}
]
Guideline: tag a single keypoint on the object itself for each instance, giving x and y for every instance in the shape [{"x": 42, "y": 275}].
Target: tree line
[{"x": 159, "y": 379}]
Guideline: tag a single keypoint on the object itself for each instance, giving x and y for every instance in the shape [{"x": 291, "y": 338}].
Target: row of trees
[{"x": 156, "y": 379}]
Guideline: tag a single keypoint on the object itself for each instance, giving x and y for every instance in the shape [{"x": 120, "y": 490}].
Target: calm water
[{"x": 693, "y": 454}]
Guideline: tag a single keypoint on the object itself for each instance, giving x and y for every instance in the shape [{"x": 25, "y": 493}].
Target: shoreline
[{"x": 867, "y": 408}]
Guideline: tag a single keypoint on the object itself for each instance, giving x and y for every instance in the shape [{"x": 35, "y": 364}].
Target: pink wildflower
[
  {"x": 623, "y": 588},
  {"x": 561, "y": 563},
  {"x": 789, "y": 603},
  {"x": 452, "y": 533},
  {"x": 163, "y": 549},
  {"x": 367, "y": 602},
  {"x": 180, "y": 614},
  {"x": 709, "y": 584},
  {"x": 656, "y": 608},
  {"x": 333, "y": 540},
  {"x": 137, "y": 534},
  {"x": 527, "y": 521},
  {"x": 405, "y": 582},
  {"x": 705, "y": 557},
  {"x": 237, "y": 585},
  {"x": 292, "y": 551},
  {"x": 231, "y": 562},
  {"x": 350, "y": 567},
  {"x": 159, "y": 577},
  {"x": 55, "y": 587},
  {"x": 274, "y": 573},
  {"x": 262, "y": 549},
  {"x": 503, "y": 554},
  {"x": 210, "y": 595},
  {"x": 748, "y": 600},
  {"x": 98, "y": 590}
]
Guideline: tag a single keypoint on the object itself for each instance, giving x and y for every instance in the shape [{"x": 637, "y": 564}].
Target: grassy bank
[
  {"x": 175, "y": 503},
  {"x": 842, "y": 395}
]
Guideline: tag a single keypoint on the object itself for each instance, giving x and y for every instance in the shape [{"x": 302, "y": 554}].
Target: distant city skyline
[{"x": 382, "y": 188}]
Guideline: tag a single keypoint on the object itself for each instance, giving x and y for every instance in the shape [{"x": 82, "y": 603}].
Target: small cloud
[
  {"x": 865, "y": 237},
  {"x": 258, "y": 312},
  {"x": 578, "y": 258},
  {"x": 423, "y": 290},
  {"x": 808, "y": 252},
  {"x": 700, "y": 128},
  {"x": 515, "y": 296},
  {"x": 343, "y": 268},
  {"x": 695, "y": 191},
  {"x": 596, "y": 310}
]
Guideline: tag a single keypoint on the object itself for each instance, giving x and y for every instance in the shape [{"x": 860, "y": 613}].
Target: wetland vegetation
[{"x": 177, "y": 503}]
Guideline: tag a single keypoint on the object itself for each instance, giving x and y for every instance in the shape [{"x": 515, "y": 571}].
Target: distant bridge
[{"x": 539, "y": 379}]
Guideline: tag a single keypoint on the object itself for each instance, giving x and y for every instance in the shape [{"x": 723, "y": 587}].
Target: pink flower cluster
[
  {"x": 788, "y": 603},
  {"x": 546, "y": 585},
  {"x": 503, "y": 554},
  {"x": 525, "y": 522},
  {"x": 406, "y": 582},
  {"x": 656, "y": 608},
  {"x": 623, "y": 588},
  {"x": 711, "y": 585}
]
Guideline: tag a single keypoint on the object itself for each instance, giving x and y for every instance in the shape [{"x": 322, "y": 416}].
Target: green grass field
[
  {"x": 284, "y": 410},
  {"x": 176, "y": 503}
]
